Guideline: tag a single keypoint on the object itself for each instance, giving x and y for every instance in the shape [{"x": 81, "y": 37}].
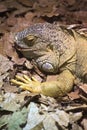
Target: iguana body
[{"x": 55, "y": 50}]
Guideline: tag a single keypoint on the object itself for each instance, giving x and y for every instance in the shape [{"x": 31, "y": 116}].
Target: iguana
[{"x": 56, "y": 50}]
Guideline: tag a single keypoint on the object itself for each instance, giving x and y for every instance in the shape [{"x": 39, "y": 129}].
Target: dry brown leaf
[
  {"x": 29, "y": 16},
  {"x": 26, "y": 2},
  {"x": 80, "y": 15},
  {"x": 38, "y": 20},
  {"x": 5, "y": 65},
  {"x": 74, "y": 117},
  {"x": 13, "y": 4},
  {"x": 3, "y": 8},
  {"x": 9, "y": 88},
  {"x": 7, "y": 48},
  {"x": 84, "y": 123},
  {"x": 2, "y": 51},
  {"x": 24, "y": 24},
  {"x": 4, "y": 27},
  {"x": 71, "y": 2},
  {"x": 75, "y": 126},
  {"x": 83, "y": 88},
  {"x": 45, "y": 8},
  {"x": 11, "y": 21},
  {"x": 74, "y": 95}
]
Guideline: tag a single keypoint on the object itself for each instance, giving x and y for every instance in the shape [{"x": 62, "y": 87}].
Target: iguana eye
[{"x": 29, "y": 40}]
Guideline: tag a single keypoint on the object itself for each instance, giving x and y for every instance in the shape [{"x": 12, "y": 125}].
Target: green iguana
[{"x": 56, "y": 50}]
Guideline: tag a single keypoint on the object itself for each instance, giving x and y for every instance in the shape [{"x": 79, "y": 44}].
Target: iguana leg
[{"x": 58, "y": 88}]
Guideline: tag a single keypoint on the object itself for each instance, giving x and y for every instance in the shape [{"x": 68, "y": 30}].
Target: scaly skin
[{"x": 56, "y": 50}]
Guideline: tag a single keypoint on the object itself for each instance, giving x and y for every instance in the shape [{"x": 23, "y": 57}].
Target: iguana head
[
  {"x": 37, "y": 42},
  {"x": 37, "y": 38},
  {"x": 33, "y": 40},
  {"x": 44, "y": 43}
]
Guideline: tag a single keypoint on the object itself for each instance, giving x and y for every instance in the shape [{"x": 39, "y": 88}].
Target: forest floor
[{"x": 28, "y": 111}]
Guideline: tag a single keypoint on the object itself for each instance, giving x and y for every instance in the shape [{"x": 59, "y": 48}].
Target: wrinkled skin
[{"x": 56, "y": 50}]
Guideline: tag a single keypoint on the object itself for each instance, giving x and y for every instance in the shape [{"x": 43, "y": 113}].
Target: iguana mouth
[{"x": 20, "y": 48}]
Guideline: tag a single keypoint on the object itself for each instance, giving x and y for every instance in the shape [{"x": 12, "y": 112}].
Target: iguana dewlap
[{"x": 56, "y": 50}]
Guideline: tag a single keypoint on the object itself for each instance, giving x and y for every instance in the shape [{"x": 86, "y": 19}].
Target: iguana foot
[{"x": 26, "y": 83}]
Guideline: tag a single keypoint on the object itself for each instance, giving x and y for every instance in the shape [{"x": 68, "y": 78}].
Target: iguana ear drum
[
  {"x": 47, "y": 67},
  {"x": 29, "y": 40}
]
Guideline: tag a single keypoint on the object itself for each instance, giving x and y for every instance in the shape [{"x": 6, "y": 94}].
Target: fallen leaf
[
  {"x": 71, "y": 2},
  {"x": 45, "y": 8},
  {"x": 34, "y": 118},
  {"x": 26, "y": 2},
  {"x": 11, "y": 21},
  {"x": 49, "y": 123},
  {"x": 75, "y": 126},
  {"x": 80, "y": 15},
  {"x": 9, "y": 102},
  {"x": 4, "y": 120},
  {"x": 17, "y": 120},
  {"x": 5, "y": 66},
  {"x": 74, "y": 95},
  {"x": 84, "y": 123},
  {"x": 61, "y": 117},
  {"x": 3, "y": 8},
  {"x": 7, "y": 46},
  {"x": 30, "y": 16},
  {"x": 83, "y": 88},
  {"x": 2, "y": 77},
  {"x": 74, "y": 117},
  {"x": 7, "y": 87},
  {"x": 24, "y": 24}
]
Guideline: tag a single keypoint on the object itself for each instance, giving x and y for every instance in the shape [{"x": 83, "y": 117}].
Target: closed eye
[{"x": 29, "y": 40}]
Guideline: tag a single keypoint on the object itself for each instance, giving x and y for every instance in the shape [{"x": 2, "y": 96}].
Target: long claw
[
  {"x": 34, "y": 79},
  {"x": 27, "y": 78},
  {"x": 26, "y": 87},
  {"x": 17, "y": 82},
  {"x": 21, "y": 79}
]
